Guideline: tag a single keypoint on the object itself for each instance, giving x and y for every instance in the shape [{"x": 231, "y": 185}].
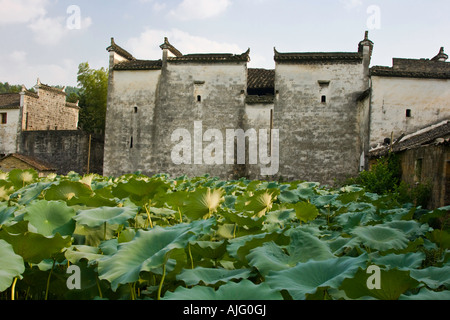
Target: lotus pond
[{"x": 137, "y": 237}]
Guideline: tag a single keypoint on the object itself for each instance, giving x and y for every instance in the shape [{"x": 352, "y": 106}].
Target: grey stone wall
[
  {"x": 66, "y": 150},
  {"x": 319, "y": 141}
]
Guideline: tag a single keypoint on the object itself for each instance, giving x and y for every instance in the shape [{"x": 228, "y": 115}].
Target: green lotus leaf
[
  {"x": 241, "y": 219},
  {"x": 94, "y": 236},
  {"x": 425, "y": 294},
  {"x": 211, "y": 276},
  {"x": 270, "y": 257},
  {"x": 324, "y": 200},
  {"x": 203, "y": 202},
  {"x": 139, "y": 190},
  {"x": 6, "y": 213},
  {"x": 50, "y": 217},
  {"x": 75, "y": 254},
  {"x": 393, "y": 283},
  {"x": 289, "y": 196},
  {"x": 350, "y": 220},
  {"x": 68, "y": 191},
  {"x": 306, "y": 278},
  {"x": 30, "y": 192},
  {"x": 306, "y": 211},
  {"x": 433, "y": 277},
  {"x": 350, "y": 196},
  {"x": 11, "y": 265},
  {"x": 441, "y": 238},
  {"x": 111, "y": 215},
  {"x": 381, "y": 238},
  {"x": 240, "y": 247},
  {"x": 244, "y": 290},
  {"x": 209, "y": 249},
  {"x": 22, "y": 178},
  {"x": 34, "y": 247},
  {"x": 306, "y": 192},
  {"x": 411, "y": 228},
  {"x": 258, "y": 203},
  {"x": 279, "y": 219},
  {"x": 147, "y": 251},
  {"x": 303, "y": 247},
  {"x": 412, "y": 260}
]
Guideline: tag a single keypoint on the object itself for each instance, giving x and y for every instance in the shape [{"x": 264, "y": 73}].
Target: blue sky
[{"x": 49, "y": 38}]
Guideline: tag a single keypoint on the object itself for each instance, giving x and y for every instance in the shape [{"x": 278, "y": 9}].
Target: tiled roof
[
  {"x": 212, "y": 57},
  {"x": 391, "y": 72},
  {"x": 139, "y": 65},
  {"x": 9, "y": 101},
  {"x": 72, "y": 105},
  {"x": 436, "y": 68},
  {"x": 422, "y": 137},
  {"x": 33, "y": 162},
  {"x": 261, "y": 79},
  {"x": 119, "y": 50},
  {"x": 318, "y": 57}
]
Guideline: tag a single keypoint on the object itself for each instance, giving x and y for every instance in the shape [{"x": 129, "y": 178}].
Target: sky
[{"x": 48, "y": 39}]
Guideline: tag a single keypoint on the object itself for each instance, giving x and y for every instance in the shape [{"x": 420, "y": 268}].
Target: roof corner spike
[
  {"x": 366, "y": 36},
  {"x": 441, "y": 56}
]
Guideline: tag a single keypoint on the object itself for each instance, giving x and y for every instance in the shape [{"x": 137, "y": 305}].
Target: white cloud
[
  {"x": 47, "y": 30},
  {"x": 146, "y": 46},
  {"x": 21, "y": 11},
  {"x": 199, "y": 9},
  {"x": 16, "y": 68},
  {"x": 50, "y": 31}
]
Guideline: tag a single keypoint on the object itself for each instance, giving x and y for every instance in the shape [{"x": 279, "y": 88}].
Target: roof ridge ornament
[{"x": 441, "y": 56}]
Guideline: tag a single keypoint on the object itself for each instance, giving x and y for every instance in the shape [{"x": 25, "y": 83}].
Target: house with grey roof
[
  {"x": 44, "y": 109},
  {"x": 322, "y": 111}
]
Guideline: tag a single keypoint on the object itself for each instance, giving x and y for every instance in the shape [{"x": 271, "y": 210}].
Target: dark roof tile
[
  {"x": 139, "y": 65},
  {"x": 318, "y": 57},
  {"x": 9, "y": 101},
  {"x": 261, "y": 79},
  {"x": 33, "y": 162},
  {"x": 414, "y": 140}
]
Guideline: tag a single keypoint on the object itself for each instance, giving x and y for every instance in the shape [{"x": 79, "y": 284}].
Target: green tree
[
  {"x": 8, "y": 88},
  {"x": 93, "y": 84}
]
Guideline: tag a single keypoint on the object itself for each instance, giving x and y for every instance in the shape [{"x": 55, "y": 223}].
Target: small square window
[
  {"x": 199, "y": 98},
  {"x": 135, "y": 109},
  {"x": 324, "y": 99},
  {"x": 3, "y": 118},
  {"x": 408, "y": 113}
]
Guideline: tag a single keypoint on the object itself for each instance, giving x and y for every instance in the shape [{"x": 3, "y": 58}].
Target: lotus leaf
[{"x": 11, "y": 265}]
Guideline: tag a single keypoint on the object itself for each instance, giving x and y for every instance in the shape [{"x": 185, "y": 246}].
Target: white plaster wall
[
  {"x": 130, "y": 89},
  {"x": 258, "y": 115},
  {"x": 8, "y": 131},
  {"x": 319, "y": 141},
  {"x": 428, "y": 100}
]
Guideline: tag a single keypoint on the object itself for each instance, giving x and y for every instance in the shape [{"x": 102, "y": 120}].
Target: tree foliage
[
  {"x": 93, "y": 85},
  {"x": 8, "y": 88}
]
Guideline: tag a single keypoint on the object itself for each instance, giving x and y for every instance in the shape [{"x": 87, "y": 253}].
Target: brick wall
[{"x": 48, "y": 111}]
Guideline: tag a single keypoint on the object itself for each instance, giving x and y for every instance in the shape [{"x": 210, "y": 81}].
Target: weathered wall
[
  {"x": 65, "y": 150},
  {"x": 48, "y": 110},
  {"x": 435, "y": 169},
  {"x": 319, "y": 141},
  {"x": 131, "y": 105},
  {"x": 221, "y": 87},
  {"x": 8, "y": 131},
  {"x": 428, "y": 100}
]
